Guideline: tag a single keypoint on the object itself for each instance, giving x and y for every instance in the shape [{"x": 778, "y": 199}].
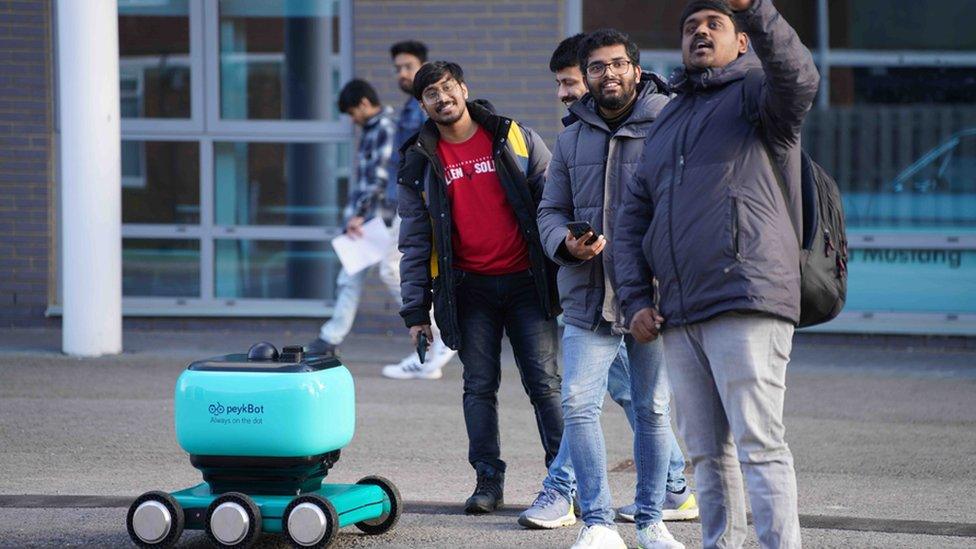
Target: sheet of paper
[{"x": 360, "y": 253}]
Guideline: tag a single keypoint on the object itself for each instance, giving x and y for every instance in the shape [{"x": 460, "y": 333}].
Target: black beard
[
  {"x": 406, "y": 88},
  {"x": 612, "y": 103},
  {"x": 437, "y": 118}
]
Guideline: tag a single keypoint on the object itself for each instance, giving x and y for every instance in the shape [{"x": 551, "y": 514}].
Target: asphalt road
[{"x": 883, "y": 439}]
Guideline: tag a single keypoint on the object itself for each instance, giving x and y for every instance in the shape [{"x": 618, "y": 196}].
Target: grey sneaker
[
  {"x": 627, "y": 513},
  {"x": 677, "y": 506},
  {"x": 549, "y": 510},
  {"x": 656, "y": 536},
  {"x": 680, "y": 505}
]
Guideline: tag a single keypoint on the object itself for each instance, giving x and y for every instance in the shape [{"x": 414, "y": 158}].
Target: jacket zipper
[{"x": 676, "y": 180}]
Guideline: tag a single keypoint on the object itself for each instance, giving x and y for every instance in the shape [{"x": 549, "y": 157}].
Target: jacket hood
[
  {"x": 685, "y": 81},
  {"x": 645, "y": 109}
]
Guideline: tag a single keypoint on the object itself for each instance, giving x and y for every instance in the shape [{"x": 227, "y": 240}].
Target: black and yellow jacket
[{"x": 426, "y": 270}]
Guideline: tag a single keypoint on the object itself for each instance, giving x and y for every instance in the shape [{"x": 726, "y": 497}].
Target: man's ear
[
  {"x": 464, "y": 88},
  {"x": 423, "y": 107},
  {"x": 637, "y": 71},
  {"x": 743, "y": 39}
]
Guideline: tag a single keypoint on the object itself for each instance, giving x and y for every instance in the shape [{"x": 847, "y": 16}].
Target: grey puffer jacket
[
  {"x": 705, "y": 215},
  {"x": 585, "y": 181}
]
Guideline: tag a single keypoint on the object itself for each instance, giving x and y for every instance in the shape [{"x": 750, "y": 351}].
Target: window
[
  {"x": 154, "y": 58},
  {"x": 235, "y": 163},
  {"x": 895, "y": 124}
]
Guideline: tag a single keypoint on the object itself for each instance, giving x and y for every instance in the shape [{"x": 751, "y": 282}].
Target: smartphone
[{"x": 579, "y": 228}]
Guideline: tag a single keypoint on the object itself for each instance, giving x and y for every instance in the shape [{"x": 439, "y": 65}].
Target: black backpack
[
  {"x": 823, "y": 249},
  {"x": 823, "y": 252}
]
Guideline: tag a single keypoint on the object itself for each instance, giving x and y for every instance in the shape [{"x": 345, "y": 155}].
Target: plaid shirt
[{"x": 369, "y": 195}]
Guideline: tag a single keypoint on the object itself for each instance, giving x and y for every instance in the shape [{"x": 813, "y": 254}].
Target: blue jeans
[
  {"x": 587, "y": 357},
  {"x": 489, "y": 306},
  {"x": 618, "y": 385}
]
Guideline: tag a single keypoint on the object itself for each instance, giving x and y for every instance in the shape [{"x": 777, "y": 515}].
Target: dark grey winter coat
[
  {"x": 585, "y": 181},
  {"x": 705, "y": 215}
]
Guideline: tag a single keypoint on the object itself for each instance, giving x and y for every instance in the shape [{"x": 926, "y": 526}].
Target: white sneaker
[
  {"x": 598, "y": 536},
  {"x": 411, "y": 368},
  {"x": 439, "y": 355},
  {"x": 656, "y": 536}
]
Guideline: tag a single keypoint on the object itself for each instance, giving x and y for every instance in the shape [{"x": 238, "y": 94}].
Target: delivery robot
[{"x": 264, "y": 429}]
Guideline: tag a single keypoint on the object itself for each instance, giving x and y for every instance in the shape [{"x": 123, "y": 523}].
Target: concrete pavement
[{"x": 883, "y": 438}]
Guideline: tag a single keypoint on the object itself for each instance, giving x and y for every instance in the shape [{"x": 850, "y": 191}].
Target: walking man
[
  {"x": 594, "y": 159},
  {"x": 367, "y": 199},
  {"x": 470, "y": 183},
  {"x": 714, "y": 217},
  {"x": 679, "y": 502}
]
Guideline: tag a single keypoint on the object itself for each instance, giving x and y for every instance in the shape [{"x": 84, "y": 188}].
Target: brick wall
[
  {"x": 26, "y": 165},
  {"x": 502, "y": 45},
  {"x": 504, "y": 48}
]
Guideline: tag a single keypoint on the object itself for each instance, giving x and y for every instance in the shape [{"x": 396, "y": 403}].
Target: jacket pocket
[{"x": 735, "y": 230}]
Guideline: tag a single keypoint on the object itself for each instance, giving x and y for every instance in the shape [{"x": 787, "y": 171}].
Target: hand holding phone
[
  {"x": 582, "y": 242},
  {"x": 579, "y": 230}
]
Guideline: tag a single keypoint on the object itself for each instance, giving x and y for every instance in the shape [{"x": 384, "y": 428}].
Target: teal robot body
[
  {"x": 264, "y": 429},
  {"x": 231, "y": 407}
]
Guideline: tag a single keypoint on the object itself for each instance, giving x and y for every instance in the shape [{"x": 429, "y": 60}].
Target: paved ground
[{"x": 883, "y": 437}]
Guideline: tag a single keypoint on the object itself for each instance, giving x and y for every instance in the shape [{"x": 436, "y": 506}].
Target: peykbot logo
[{"x": 219, "y": 409}]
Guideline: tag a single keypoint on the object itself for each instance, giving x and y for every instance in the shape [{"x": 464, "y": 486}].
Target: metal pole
[
  {"x": 573, "y": 23},
  {"x": 91, "y": 192},
  {"x": 823, "y": 48}
]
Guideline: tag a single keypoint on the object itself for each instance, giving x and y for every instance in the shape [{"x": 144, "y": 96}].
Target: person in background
[
  {"x": 367, "y": 199},
  {"x": 407, "y": 57}
]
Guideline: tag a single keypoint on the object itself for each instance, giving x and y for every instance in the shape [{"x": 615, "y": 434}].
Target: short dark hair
[
  {"x": 431, "y": 73},
  {"x": 607, "y": 37},
  {"x": 695, "y": 6},
  {"x": 413, "y": 47},
  {"x": 353, "y": 93},
  {"x": 566, "y": 54}
]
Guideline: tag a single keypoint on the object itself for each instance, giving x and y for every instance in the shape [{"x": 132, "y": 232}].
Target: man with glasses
[
  {"x": 679, "y": 503},
  {"x": 594, "y": 159},
  {"x": 469, "y": 187}
]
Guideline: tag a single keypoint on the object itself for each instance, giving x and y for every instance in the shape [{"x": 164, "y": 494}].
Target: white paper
[{"x": 365, "y": 251}]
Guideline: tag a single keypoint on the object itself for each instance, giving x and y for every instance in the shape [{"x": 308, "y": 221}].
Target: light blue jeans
[
  {"x": 618, "y": 385},
  {"x": 587, "y": 357}
]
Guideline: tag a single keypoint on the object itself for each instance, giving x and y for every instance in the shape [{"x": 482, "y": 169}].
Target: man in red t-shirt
[{"x": 470, "y": 184}]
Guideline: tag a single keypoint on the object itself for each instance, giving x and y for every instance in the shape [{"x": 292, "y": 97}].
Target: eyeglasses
[
  {"x": 619, "y": 66},
  {"x": 433, "y": 93}
]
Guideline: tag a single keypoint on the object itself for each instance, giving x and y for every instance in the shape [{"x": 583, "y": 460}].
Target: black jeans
[{"x": 487, "y": 307}]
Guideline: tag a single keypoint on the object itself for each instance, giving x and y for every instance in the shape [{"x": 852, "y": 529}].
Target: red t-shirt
[{"x": 486, "y": 235}]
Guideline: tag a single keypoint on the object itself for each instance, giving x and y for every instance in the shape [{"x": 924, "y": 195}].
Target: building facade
[{"x": 236, "y": 163}]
